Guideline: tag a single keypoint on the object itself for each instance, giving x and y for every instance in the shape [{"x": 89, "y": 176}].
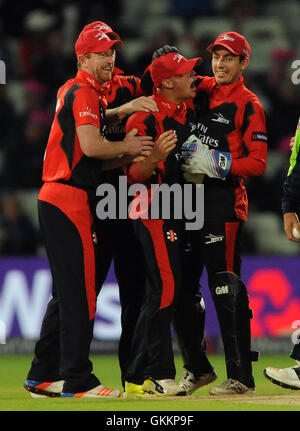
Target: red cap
[
  {"x": 171, "y": 64},
  {"x": 95, "y": 41},
  {"x": 234, "y": 42},
  {"x": 102, "y": 26}
]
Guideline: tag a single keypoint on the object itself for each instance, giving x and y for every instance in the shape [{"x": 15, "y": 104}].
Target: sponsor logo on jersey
[
  {"x": 201, "y": 135},
  {"x": 88, "y": 112},
  {"x": 199, "y": 126},
  {"x": 208, "y": 140},
  {"x": 220, "y": 118},
  {"x": 210, "y": 238},
  {"x": 259, "y": 136},
  {"x": 193, "y": 126}
]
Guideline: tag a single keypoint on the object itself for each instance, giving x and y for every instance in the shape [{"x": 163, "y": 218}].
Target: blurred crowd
[{"x": 37, "y": 47}]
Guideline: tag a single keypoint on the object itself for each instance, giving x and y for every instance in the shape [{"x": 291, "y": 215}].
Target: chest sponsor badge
[{"x": 259, "y": 136}]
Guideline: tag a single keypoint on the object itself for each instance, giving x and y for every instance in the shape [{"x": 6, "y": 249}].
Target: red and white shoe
[
  {"x": 97, "y": 392},
  {"x": 44, "y": 389}
]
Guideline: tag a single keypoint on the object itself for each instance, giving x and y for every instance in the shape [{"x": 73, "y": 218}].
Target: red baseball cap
[
  {"x": 95, "y": 41},
  {"x": 171, "y": 64},
  {"x": 234, "y": 42},
  {"x": 102, "y": 26}
]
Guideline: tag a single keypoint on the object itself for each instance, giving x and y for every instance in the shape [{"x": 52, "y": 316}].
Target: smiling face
[
  {"x": 180, "y": 88},
  {"x": 99, "y": 65},
  {"x": 227, "y": 67}
]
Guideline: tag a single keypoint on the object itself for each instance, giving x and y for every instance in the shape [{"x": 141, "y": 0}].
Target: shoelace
[
  {"x": 234, "y": 384},
  {"x": 188, "y": 380}
]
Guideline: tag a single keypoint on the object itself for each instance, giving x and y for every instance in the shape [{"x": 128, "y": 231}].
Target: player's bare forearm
[
  {"x": 94, "y": 145},
  {"x": 114, "y": 116},
  {"x": 142, "y": 103},
  {"x": 117, "y": 162}
]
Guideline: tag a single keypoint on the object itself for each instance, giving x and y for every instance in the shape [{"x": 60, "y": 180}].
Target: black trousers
[
  {"x": 295, "y": 354},
  {"x": 62, "y": 351},
  {"x": 119, "y": 244},
  {"x": 217, "y": 247},
  {"x": 152, "y": 351}
]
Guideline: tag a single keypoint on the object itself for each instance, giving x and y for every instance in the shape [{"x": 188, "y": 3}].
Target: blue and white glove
[{"x": 200, "y": 160}]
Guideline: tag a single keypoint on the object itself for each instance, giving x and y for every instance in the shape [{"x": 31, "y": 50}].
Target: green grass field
[{"x": 268, "y": 397}]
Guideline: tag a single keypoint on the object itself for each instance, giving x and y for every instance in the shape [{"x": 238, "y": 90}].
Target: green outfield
[{"x": 268, "y": 397}]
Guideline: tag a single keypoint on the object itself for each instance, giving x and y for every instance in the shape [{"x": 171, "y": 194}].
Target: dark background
[{"x": 37, "y": 45}]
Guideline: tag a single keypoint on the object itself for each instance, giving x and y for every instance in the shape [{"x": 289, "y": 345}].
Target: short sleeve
[{"x": 86, "y": 107}]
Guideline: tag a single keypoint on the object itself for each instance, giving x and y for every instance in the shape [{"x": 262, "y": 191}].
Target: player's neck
[{"x": 169, "y": 95}]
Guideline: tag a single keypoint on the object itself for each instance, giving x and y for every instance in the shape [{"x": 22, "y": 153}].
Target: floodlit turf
[{"x": 269, "y": 397}]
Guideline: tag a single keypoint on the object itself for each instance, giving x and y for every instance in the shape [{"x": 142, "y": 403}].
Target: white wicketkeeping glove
[{"x": 200, "y": 160}]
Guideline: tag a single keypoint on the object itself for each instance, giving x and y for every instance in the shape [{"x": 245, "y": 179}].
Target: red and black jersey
[
  {"x": 180, "y": 118},
  {"x": 119, "y": 90},
  {"x": 78, "y": 102},
  {"x": 235, "y": 122}
]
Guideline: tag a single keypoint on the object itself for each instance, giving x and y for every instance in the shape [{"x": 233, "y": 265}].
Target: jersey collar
[
  {"x": 117, "y": 71},
  {"x": 227, "y": 90},
  {"x": 170, "y": 108},
  {"x": 88, "y": 79}
]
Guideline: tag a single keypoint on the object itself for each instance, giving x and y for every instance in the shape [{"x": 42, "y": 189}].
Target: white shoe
[
  {"x": 231, "y": 387},
  {"x": 190, "y": 384},
  {"x": 162, "y": 387},
  {"x": 285, "y": 377}
]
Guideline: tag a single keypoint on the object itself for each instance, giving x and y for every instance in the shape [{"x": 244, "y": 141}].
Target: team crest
[
  {"x": 171, "y": 235},
  {"x": 94, "y": 237}
]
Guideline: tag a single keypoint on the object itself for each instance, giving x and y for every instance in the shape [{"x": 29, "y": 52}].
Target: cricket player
[
  {"x": 119, "y": 244},
  {"x": 235, "y": 124},
  {"x": 290, "y": 377},
  {"x": 152, "y": 369},
  {"x": 74, "y": 155}
]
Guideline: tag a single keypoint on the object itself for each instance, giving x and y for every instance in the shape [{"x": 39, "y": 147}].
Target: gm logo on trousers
[{"x": 221, "y": 290}]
